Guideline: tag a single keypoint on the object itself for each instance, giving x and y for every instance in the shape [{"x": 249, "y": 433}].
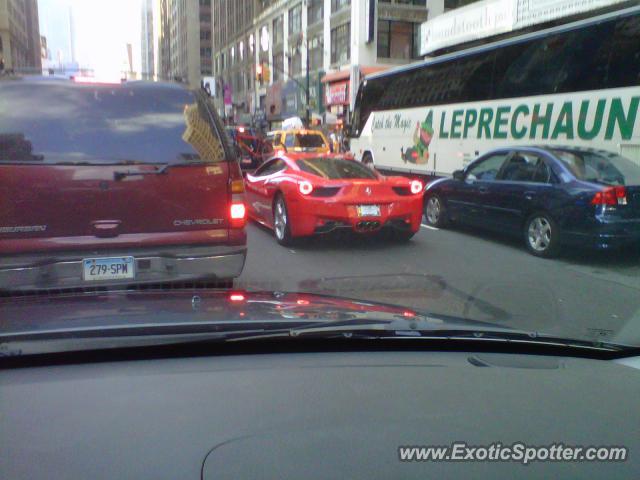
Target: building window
[
  {"x": 316, "y": 47},
  {"x": 341, "y": 43},
  {"x": 295, "y": 19},
  {"x": 278, "y": 30},
  {"x": 205, "y": 18},
  {"x": 337, "y": 5},
  {"x": 315, "y": 11},
  {"x": 205, "y": 34},
  {"x": 278, "y": 65},
  {"x": 398, "y": 39},
  {"x": 205, "y": 2},
  {"x": 421, "y": 3},
  {"x": 295, "y": 62},
  {"x": 449, "y": 4}
]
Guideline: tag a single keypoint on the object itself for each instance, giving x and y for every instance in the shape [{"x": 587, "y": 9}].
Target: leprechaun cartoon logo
[{"x": 422, "y": 135}]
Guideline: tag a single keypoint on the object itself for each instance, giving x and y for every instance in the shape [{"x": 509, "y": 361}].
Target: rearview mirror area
[{"x": 458, "y": 175}]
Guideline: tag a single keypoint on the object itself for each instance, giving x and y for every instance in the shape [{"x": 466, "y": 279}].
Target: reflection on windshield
[{"x": 53, "y": 122}]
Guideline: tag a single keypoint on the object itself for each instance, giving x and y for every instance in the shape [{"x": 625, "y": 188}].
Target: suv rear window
[
  {"x": 335, "y": 168},
  {"x": 600, "y": 167},
  {"x": 94, "y": 124}
]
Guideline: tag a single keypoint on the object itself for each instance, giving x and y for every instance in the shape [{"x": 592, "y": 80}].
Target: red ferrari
[{"x": 299, "y": 195}]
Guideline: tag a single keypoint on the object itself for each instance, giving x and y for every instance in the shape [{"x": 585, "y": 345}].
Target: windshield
[
  {"x": 334, "y": 168},
  {"x": 62, "y": 122},
  {"x": 474, "y": 162},
  {"x": 600, "y": 167}
]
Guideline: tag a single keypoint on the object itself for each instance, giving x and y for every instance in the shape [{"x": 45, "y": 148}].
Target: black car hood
[{"x": 30, "y": 314}]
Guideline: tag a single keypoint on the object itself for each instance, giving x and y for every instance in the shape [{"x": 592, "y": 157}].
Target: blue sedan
[{"x": 551, "y": 196}]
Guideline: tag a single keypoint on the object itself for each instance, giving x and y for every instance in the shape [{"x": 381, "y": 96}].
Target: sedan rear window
[
  {"x": 600, "y": 167},
  {"x": 98, "y": 124},
  {"x": 335, "y": 168}
]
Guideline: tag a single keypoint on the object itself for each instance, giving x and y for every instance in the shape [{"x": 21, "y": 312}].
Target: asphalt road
[{"x": 461, "y": 272}]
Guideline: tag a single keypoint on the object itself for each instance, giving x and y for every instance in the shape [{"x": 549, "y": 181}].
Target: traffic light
[
  {"x": 266, "y": 73},
  {"x": 259, "y": 73}
]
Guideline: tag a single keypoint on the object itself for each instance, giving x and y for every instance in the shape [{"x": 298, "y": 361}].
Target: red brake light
[
  {"x": 236, "y": 297},
  {"x": 305, "y": 187},
  {"x": 237, "y": 214},
  {"x": 611, "y": 196},
  {"x": 416, "y": 186},
  {"x": 238, "y": 211}
]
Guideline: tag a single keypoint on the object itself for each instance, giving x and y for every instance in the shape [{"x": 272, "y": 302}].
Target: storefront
[
  {"x": 338, "y": 91},
  {"x": 273, "y": 105}
]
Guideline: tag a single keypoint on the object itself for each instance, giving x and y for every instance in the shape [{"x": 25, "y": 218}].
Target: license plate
[
  {"x": 368, "y": 210},
  {"x": 112, "y": 268}
]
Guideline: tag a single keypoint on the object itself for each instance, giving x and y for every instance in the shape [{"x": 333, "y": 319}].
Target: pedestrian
[{"x": 1, "y": 65}]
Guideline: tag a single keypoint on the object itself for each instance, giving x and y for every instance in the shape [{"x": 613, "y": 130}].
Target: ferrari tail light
[
  {"x": 611, "y": 196},
  {"x": 305, "y": 187},
  {"x": 416, "y": 186}
]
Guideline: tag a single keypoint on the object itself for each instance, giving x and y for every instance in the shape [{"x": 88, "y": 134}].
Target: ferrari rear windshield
[
  {"x": 335, "y": 168},
  {"x": 64, "y": 123}
]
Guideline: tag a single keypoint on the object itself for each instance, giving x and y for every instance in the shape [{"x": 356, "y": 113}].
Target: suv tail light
[
  {"x": 237, "y": 207},
  {"x": 611, "y": 196}
]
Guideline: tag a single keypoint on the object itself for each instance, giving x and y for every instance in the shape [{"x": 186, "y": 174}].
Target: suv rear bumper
[{"x": 168, "y": 264}]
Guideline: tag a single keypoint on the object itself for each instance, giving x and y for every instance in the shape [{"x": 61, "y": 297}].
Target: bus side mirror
[{"x": 458, "y": 175}]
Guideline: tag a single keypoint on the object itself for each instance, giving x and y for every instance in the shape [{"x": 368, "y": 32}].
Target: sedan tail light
[{"x": 611, "y": 196}]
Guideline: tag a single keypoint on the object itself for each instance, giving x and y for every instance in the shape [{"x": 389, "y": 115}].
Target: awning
[
  {"x": 336, "y": 76},
  {"x": 345, "y": 74}
]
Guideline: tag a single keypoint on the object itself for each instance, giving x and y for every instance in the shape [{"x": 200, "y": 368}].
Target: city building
[
  {"x": 270, "y": 55},
  {"x": 176, "y": 40},
  {"x": 20, "y": 35},
  {"x": 148, "y": 47}
]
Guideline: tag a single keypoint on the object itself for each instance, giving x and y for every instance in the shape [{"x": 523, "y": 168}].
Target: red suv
[{"x": 115, "y": 184}]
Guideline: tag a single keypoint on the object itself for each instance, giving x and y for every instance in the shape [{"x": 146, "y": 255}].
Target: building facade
[
  {"x": 20, "y": 35},
  {"x": 273, "y": 58},
  {"x": 147, "y": 51},
  {"x": 176, "y": 40}
]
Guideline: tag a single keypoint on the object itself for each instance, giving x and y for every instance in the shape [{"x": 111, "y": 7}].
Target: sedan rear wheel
[
  {"x": 541, "y": 235},
  {"x": 281, "y": 226}
]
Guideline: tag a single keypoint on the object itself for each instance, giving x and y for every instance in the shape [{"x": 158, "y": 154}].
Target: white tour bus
[{"x": 577, "y": 84}]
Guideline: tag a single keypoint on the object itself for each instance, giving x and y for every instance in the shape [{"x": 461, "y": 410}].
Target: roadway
[{"x": 460, "y": 272}]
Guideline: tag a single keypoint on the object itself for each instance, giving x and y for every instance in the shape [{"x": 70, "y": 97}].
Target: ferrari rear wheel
[{"x": 281, "y": 222}]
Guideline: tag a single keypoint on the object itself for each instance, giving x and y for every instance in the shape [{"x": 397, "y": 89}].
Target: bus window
[{"x": 624, "y": 63}]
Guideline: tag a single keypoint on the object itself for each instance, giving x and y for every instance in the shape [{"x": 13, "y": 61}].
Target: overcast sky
[{"x": 102, "y": 30}]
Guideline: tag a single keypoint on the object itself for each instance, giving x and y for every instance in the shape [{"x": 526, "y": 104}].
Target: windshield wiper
[{"x": 77, "y": 340}]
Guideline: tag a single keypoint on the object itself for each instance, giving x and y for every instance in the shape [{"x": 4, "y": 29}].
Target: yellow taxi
[{"x": 299, "y": 140}]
